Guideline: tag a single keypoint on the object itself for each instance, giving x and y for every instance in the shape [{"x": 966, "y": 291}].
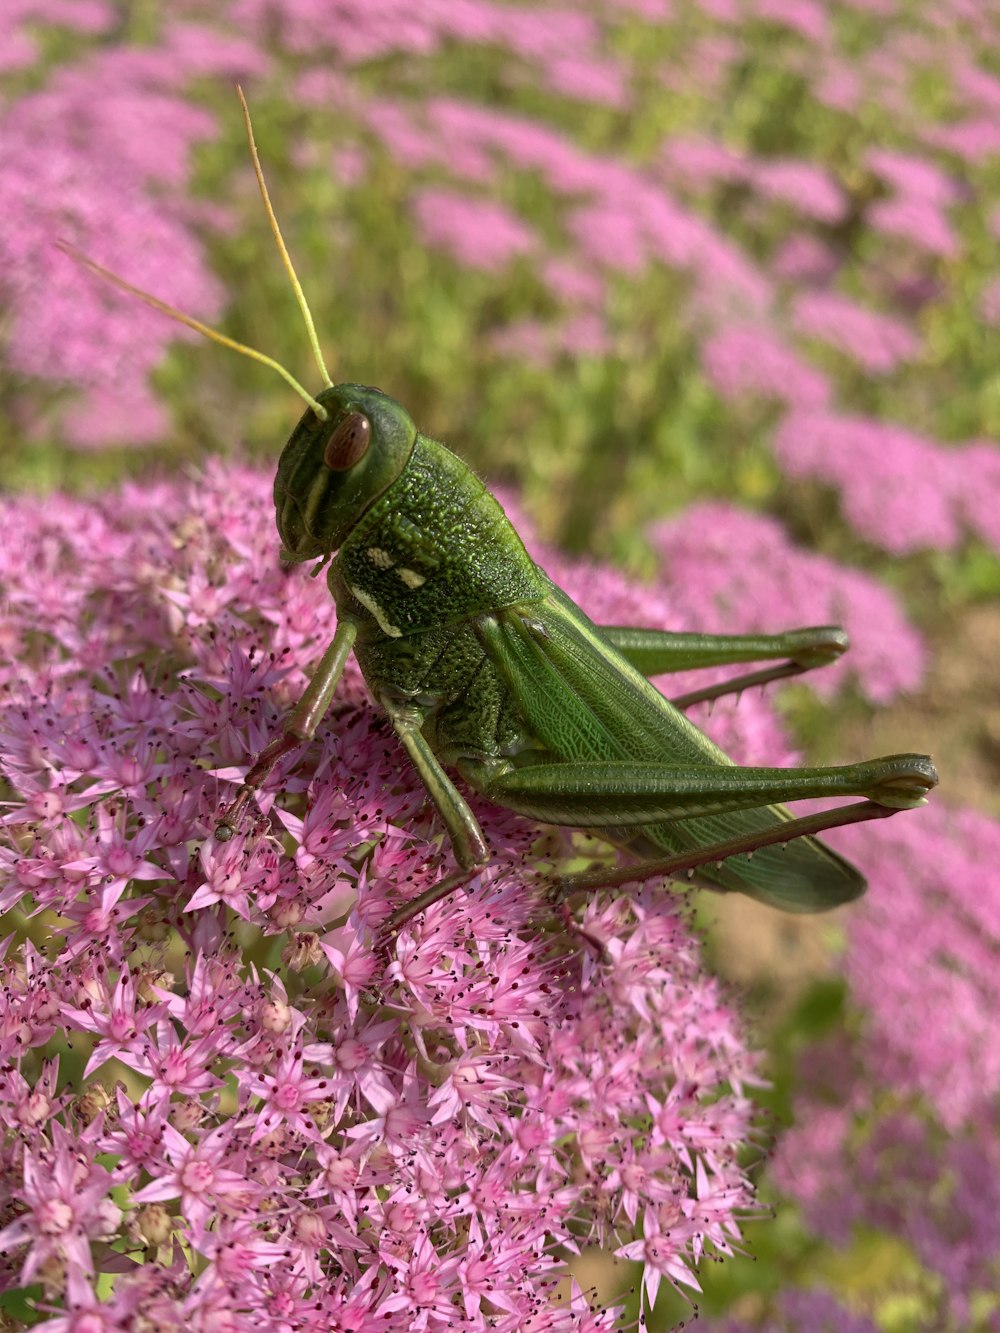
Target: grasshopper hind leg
[
  {"x": 714, "y": 856},
  {"x": 662, "y": 652}
]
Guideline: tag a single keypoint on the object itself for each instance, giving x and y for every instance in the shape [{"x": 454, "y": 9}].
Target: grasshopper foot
[
  {"x": 572, "y": 927},
  {"x": 229, "y": 824},
  {"x": 904, "y": 781}
]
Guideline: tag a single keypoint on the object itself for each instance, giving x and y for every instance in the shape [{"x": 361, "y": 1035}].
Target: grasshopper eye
[{"x": 349, "y": 442}]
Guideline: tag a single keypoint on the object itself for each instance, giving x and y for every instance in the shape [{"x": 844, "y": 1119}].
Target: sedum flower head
[{"x": 279, "y": 1122}]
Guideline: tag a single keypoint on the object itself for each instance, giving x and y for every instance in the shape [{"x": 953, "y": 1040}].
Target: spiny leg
[
  {"x": 444, "y": 888},
  {"x": 562, "y": 887},
  {"x": 590, "y": 881}
]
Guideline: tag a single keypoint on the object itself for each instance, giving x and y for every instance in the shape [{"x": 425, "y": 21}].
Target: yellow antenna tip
[{"x": 280, "y": 242}]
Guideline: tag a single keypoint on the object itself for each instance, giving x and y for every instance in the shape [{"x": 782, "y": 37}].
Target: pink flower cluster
[
  {"x": 852, "y": 1170},
  {"x": 897, "y": 1131},
  {"x": 900, "y": 490},
  {"x": 19, "y": 47},
  {"x": 815, "y": 1309},
  {"x": 701, "y": 164},
  {"x": 754, "y": 297},
  {"x": 914, "y": 210},
  {"x": 877, "y": 343},
  {"x": 743, "y": 362},
  {"x": 110, "y": 180},
  {"x": 922, "y": 959},
  {"x": 620, "y": 217},
  {"x": 563, "y": 44},
  {"x": 733, "y": 572},
  {"x": 269, "y": 1120},
  {"x": 479, "y": 233}
]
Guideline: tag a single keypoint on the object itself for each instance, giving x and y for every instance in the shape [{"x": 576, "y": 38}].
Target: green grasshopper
[{"x": 486, "y": 667}]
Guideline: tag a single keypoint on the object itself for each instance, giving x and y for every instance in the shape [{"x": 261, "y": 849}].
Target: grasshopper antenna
[
  {"x": 204, "y": 329},
  {"x": 282, "y": 249},
  {"x": 318, "y": 409}
]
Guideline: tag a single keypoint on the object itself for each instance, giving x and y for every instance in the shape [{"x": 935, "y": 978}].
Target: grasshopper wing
[{"x": 584, "y": 706}]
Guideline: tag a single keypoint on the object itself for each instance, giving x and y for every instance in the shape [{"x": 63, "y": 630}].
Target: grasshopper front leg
[
  {"x": 466, "y": 836},
  {"x": 464, "y": 832},
  {"x": 300, "y": 727}
]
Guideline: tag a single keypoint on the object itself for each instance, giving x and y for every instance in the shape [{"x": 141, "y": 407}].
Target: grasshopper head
[
  {"x": 331, "y": 471},
  {"x": 348, "y": 448}
]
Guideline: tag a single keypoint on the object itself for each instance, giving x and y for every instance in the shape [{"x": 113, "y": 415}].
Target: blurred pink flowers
[
  {"x": 443, "y": 1146},
  {"x": 737, "y": 573},
  {"x": 477, "y": 232},
  {"x": 922, "y": 961},
  {"x": 97, "y": 186},
  {"x": 751, "y": 361},
  {"x": 877, "y": 343},
  {"x": 897, "y": 1131},
  {"x": 901, "y": 491}
]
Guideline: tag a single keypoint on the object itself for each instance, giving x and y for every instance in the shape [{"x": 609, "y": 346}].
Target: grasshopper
[{"x": 485, "y": 667}]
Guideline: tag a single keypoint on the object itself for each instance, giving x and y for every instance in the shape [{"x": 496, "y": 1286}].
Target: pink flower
[
  {"x": 739, "y": 572},
  {"x": 65, "y": 1195},
  {"x": 702, "y": 163},
  {"x": 136, "y": 1140},
  {"x": 804, "y": 258},
  {"x": 573, "y": 283},
  {"x": 975, "y": 85},
  {"x": 476, "y": 232},
  {"x": 801, "y": 185},
  {"x": 611, "y": 234},
  {"x": 199, "y": 1175},
  {"x": 444, "y": 1093},
  {"x": 589, "y": 79},
  {"x": 838, "y": 84},
  {"x": 749, "y": 361},
  {"x": 898, "y": 489},
  {"x": 805, "y": 17},
  {"x": 921, "y": 967},
  {"x": 913, "y": 177},
  {"x": 980, "y": 462},
  {"x": 92, "y": 187},
  {"x": 875, "y": 1163},
  {"x": 116, "y": 1019},
  {"x": 877, "y": 342},
  {"x": 917, "y": 220},
  {"x": 972, "y": 140}
]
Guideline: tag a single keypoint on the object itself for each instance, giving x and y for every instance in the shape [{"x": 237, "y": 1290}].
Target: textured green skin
[
  {"x": 502, "y": 670},
  {"x": 439, "y": 521}
]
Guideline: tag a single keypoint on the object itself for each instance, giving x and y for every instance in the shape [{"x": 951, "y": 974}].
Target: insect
[{"x": 485, "y": 667}]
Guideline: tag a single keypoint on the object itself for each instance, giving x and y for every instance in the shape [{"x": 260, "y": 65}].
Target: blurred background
[{"x": 710, "y": 290}]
